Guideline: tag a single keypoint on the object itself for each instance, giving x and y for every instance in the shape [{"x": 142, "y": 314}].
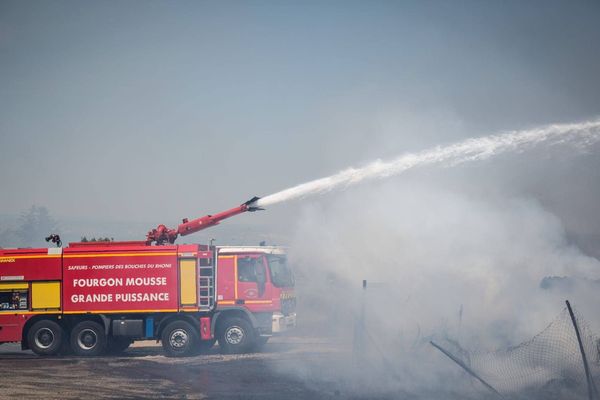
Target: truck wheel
[
  {"x": 236, "y": 336},
  {"x": 88, "y": 339},
  {"x": 45, "y": 337},
  {"x": 180, "y": 339},
  {"x": 117, "y": 345}
]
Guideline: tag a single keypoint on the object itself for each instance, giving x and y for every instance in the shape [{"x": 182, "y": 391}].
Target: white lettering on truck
[
  {"x": 92, "y": 298},
  {"x": 148, "y": 281},
  {"x": 97, "y": 282},
  {"x": 130, "y": 297}
]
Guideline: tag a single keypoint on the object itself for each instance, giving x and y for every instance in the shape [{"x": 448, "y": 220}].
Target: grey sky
[{"x": 160, "y": 110}]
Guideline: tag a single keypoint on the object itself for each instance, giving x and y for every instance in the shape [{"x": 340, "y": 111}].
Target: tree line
[{"x": 32, "y": 227}]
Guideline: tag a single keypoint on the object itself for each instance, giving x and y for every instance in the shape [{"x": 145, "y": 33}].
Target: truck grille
[{"x": 288, "y": 306}]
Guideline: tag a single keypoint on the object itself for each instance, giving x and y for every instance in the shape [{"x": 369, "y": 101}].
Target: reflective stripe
[
  {"x": 6, "y": 312},
  {"x": 9, "y": 286},
  {"x": 117, "y": 255},
  {"x": 25, "y": 257},
  {"x": 116, "y": 311}
]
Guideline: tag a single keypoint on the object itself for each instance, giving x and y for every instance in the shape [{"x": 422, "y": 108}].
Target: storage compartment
[
  {"x": 45, "y": 295},
  {"x": 188, "y": 283},
  {"x": 128, "y": 327},
  {"x": 13, "y": 296}
]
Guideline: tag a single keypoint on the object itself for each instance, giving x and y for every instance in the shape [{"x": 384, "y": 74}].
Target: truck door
[{"x": 253, "y": 287}]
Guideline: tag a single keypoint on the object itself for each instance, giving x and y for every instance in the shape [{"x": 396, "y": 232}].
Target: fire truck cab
[{"x": 256, "y": 285}]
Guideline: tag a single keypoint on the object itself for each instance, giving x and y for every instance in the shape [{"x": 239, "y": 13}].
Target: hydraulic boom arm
[{"x": 161, "y": 234}]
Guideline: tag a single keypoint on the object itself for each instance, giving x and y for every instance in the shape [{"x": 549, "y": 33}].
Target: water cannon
[
  {"x": 161, "y": 234},
  {"x": 251, "y": 204},
  {"x": 54, "y": 238}
]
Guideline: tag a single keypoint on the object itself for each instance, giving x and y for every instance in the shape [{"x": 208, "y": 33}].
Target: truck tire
[
  {"x": 236, "y": 336},
  {"x": 45, "y": 337},
  {"x": 180, "y": 339},
  {"x": 117, "y": 345},
  {"x": 88, "y": 339}
]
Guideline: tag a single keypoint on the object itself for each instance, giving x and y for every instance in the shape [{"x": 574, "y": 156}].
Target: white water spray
[{"x": 579, "y": 134}]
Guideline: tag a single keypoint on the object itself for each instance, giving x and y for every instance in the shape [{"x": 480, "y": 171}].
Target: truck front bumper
[{"x": 283, "y": 323}]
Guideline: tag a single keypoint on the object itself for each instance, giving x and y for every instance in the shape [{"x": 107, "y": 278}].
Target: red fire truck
[{"x": 97, "y": 297}]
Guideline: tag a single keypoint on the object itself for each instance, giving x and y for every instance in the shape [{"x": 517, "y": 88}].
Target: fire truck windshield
[{"x": 281, "y": 274}]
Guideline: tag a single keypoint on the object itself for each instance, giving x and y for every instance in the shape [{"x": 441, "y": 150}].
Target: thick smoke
[
  {"x": 439, "y": 250},
  {"x": 461, "y": 266},
  {"x": 441, "y": 264}
]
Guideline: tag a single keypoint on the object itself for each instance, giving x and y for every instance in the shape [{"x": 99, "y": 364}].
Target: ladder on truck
[{"x": 206, "y": 287}]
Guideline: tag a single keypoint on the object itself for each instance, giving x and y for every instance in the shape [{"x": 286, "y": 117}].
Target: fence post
[
  {"x": 359, "y": 327},
  {"x": 466, "y": 368},
  {"x": 586, "y": 367}
]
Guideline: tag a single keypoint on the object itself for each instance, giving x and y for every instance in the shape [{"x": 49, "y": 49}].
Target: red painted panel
[
  {"x": 225, "y": 278},
  {"x": 11, "y": 326},
  {"x": 127, "y": 280},
  {"x": 29, "y": 265},
  {"x": 205, "y": 332}
]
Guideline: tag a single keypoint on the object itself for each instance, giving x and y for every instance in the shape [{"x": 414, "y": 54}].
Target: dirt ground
[
  {"x": 144, "y": 372},
  {"x": 292, "y": 367}
]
